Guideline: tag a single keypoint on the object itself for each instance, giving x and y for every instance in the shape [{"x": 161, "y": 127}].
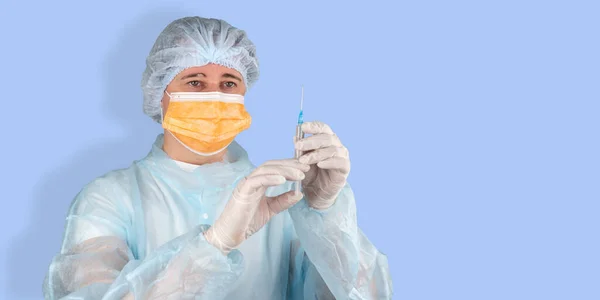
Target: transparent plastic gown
[{"x": 136, "y": 233}]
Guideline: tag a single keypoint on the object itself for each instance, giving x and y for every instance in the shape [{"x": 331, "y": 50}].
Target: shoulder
[
  {"x": 110, "y": 191},
  {"x": 103, "y": 207}
]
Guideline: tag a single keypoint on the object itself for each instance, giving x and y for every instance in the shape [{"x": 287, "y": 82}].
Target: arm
[
  {"x": 96, "y": 263},
  {"x": 333, "y": 258}
]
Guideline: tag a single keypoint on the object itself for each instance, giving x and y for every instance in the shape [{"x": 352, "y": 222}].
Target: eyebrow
[
  {"x": 192, "y": 75},
  {"x": 226, "y": 75}
]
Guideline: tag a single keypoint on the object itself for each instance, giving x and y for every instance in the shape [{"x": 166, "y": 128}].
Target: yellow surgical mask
[{"x": 206, "y": 123}]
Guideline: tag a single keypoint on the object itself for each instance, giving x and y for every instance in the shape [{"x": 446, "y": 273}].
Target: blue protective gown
[{"x": 136, "y": 233}]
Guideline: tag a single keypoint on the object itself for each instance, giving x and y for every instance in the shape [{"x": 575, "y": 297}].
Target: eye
[
  {"x": 194, "y": 83},
  {"x": 230, "y": 84}
]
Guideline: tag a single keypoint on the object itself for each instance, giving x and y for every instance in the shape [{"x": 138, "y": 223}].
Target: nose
[{"x": 213, "y": 87}]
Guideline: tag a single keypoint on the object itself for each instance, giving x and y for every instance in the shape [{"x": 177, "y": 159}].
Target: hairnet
[{"x": 190, "y": 42}]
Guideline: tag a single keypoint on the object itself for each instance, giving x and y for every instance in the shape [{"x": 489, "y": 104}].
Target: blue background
[{"x": 472, "y": 127}]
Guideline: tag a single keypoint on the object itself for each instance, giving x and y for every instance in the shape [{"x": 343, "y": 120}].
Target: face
[{"x": 208, "y": 78}]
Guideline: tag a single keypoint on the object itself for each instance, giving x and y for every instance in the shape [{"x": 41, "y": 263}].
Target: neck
[{"x": 178, "y": 152}]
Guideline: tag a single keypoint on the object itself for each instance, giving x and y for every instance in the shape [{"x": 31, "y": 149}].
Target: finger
[
  {"x": 318, "y": 141},
  {"x": 289, "y": 173},
  {"x": 319, "y": 155},
  {"x": 316, "y": 127},
  {"x": 259, "y": 183},
  {"x": 335, "y": 163},
  {"x": 284, "y": 201},
  {"x": 293, "y": 163}
]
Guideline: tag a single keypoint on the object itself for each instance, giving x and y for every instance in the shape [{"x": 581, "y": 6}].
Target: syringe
[{"x": 299, "y": 136}]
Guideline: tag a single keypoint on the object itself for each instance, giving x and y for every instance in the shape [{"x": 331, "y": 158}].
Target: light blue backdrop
[{"x": 472, "y": 127}]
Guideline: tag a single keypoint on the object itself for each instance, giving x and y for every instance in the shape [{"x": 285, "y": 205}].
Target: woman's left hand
[{"x": 329, "y": 164}]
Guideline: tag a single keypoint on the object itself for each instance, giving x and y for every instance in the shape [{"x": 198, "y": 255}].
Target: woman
[{"x": 194, "y": 219}]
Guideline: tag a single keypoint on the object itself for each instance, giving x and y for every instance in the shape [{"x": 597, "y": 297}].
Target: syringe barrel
[{"x": 299, "y": 136}]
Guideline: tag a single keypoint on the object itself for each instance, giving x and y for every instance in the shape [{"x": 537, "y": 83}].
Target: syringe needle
[{"x": 302, "y": 98}]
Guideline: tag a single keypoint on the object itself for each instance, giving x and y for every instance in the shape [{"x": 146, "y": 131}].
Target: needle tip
[{"x": 302, "y": 98}]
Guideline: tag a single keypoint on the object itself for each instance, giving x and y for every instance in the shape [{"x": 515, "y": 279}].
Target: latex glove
[
  {"x": 249, "y": 209},
  {"x": 329, "y": 164}
]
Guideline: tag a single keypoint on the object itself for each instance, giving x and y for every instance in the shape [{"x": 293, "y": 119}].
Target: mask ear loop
[{"x": 162, "y": 116}]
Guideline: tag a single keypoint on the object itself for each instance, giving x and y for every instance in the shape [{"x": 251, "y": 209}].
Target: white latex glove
[
  {"x": 249, "y": 209},
  {"x": 329, "y": 164}
]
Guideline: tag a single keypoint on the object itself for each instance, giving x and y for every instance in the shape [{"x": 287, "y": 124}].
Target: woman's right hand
[{"x": 249, "y": 209}]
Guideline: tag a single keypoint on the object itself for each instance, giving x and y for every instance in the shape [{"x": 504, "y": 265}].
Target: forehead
[{"x": 210, "y": 70}]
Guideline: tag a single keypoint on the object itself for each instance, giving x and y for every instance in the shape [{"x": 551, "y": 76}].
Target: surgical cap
[{"x": 191, "y": 42}]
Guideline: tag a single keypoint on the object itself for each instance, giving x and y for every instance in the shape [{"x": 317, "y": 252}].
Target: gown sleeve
[
  {"x": 331, "y": 258},
  {"x": 95, "y": 261}
]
